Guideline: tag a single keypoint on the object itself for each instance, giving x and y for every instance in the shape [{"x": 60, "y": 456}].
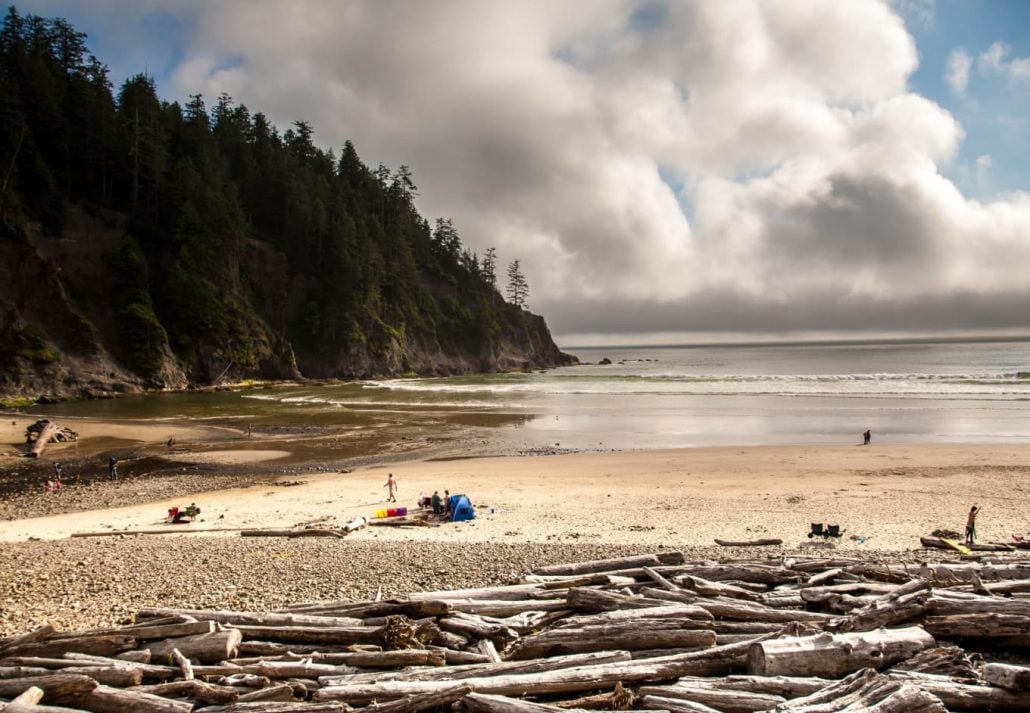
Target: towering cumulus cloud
[{"x": 655, "y": 166}]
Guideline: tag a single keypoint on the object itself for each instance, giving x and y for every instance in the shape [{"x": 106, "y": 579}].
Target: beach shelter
[{"x": 461, "y": 509}]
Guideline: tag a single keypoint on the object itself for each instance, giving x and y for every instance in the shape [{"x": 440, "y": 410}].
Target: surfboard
[{"x": 958, "y": 546}]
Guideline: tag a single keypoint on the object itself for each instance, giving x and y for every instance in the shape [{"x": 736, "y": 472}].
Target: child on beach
[
  {"x": 391, "y": 483},
  {"x": 971, "y": 524}
]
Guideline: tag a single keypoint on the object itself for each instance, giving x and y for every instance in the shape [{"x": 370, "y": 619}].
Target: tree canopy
[{"x": 238, "y": 241}]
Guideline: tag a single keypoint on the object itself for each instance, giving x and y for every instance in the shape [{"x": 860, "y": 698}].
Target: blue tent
[{"x": 461, "y": 509}]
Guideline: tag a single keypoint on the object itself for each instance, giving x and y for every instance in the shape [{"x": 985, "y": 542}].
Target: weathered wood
[
  {"x": 282, "y": 692},
  {"x": 630, "y": 635},
  {"x": 833, "y": 655},
  {"x": 736, "y": 701},
  {"x": 716, "y": 661},
  {"x": 105, "y": 645},
  {"x": 43, "y": 439},
  {"x": 985, "y": 625},
  {"x": 766, "y": 542},
  {"x": 274, "y": 707},
  {"x": 56, "y": 686},
  {"x": 105, "y": 699},
  {"x": 36, "y": 635},
  {"x": 183, "y": 663},
  {"x": 752, "y": 611},
  {"x": 597, "y": 600},
  {"x": 204, "y": 648},
  {"x": 206, "y": 693},
  {"x": 312, "y": 634},
  {"x": 241, "y": 618},
  {"x": 961, "y": 696},
  {"x": 676, "y": 705},
  {"x": 707, "y": 588},
  {"x": 899, "y": 606},
  {"x": 610, "y": 565},
  {"x": 30, "y": 697},
  {"x": 1014, "y": 678}
]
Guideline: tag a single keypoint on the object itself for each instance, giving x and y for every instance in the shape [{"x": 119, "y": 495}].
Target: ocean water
[{"x": 668, "y": 397}]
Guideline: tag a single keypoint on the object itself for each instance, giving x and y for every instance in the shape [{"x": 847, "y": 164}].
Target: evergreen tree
[{"x": 518, "y": 289}]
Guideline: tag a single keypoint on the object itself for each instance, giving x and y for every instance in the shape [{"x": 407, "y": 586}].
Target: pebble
[{"x": 95, "y": 582}]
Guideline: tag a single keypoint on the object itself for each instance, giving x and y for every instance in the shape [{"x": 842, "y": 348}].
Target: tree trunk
[
  {"x": 43, "y": 440},
  {"x": 251, "y": 618},
  {"x": 1013, "y": 678},
  {"x": 831, "y": 656},
  {"x": 611, "y": 565},
  {"x": 206, "y": 693},
  {"x": 204, "y": 648},
  {"x": 727, "y": 701},
  {"x": 631, "y": 635}
]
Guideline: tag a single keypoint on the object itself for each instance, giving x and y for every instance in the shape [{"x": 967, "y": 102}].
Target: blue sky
[
  {"x": 995, "y": 110},
  {"x": 659, "y": 167}
]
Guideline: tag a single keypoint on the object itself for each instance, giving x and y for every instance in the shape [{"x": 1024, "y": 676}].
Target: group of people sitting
[
  {"x": 439, "y": 505},
  {"x": 179, "y": 515}
]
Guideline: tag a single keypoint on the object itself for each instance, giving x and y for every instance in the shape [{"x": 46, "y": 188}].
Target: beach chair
[
  {"x": 834, "y": 531},
  {"x": 817, "y": 530}
]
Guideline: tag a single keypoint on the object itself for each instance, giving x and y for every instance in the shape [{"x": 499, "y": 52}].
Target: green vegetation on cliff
[{"x": 203, "y": 242}]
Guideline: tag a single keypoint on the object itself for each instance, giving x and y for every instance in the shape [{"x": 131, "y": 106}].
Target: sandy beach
[
  {"x": 887, "y": 495},
  {"x": 531, "y": 509}
]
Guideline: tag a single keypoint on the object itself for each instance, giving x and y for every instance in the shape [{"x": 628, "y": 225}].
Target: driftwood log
[{"x": 652, "y": 632}]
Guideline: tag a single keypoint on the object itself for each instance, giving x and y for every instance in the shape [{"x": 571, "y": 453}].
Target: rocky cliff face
[{"x": 62, "y": 335}]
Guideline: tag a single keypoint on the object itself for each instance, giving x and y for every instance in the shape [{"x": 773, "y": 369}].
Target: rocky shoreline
[{"x": 103, "y": 581}]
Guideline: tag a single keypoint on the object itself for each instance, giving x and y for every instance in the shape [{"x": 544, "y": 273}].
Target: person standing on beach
[
  {"x": 112, "y": 469},
  {"x": 867, "y": 437},
  {"x": 391, "y": 483},
  {"x": 971, "y": 524}
]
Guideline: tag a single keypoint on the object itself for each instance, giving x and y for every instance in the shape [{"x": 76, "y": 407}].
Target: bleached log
[
  {"x": 106, "y": 645},
  {"x": 751, "y": 611},
  {"x": 36, "y": 635},
  {"x": 30, "y": 697},
  {"x": 966, "y": 697},
  {"x": 985, "y": 625},
  {"x": 707, "y": 588},
  {"x": 710, "y": 662},
  {"x": 755, "y": 573},
  {"x": 736, "y": 701},
  {"x": 282, "y": 692},
  {"x": 833, "y": 655},
  {"x": 489, "y": 703},
  {"x": 312, "y": 634},
  {"x": 241, "y": 618},
  {"x": 1013, "y": 678},
  {"x": 164, "y": 628},
  {"x": 204, "y": 648},
  {"x": 675, "y": 705},
  {"x": 630, "y": 634},
  {"x": 476, "y": 627},
  {"x": 275, "y": 707},
  {"x": 785, "y": 686},
  {"x": 483, "y": 670},
  {"x": 901, "y": 605},
  {"x": 205, "y": 693},
  {"x": 43, "y": 439},
  {"x": 610, "y": 565},
  {"x": 687, "y": 615},
  {"x": 598, "y": 600}
]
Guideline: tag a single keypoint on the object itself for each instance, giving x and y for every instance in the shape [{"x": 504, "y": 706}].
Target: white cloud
[
  {"x": 996, "y": 60},
  {"x": 957, "y": 74},
  {"x": 654, "y": 166}
]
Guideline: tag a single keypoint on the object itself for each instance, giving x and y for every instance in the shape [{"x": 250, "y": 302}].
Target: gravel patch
[{"x": 94, "y": 582}]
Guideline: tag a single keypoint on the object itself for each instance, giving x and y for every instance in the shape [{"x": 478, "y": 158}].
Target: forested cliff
[{"x": 145, "y": 244}]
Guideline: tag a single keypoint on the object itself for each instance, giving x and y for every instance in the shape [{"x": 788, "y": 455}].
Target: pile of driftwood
[
  {"x": 43, "y": 432},
  {"x": 644, "y": 633}
]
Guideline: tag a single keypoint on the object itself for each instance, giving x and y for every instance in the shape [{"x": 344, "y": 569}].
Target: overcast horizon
[{"x": 710, "y": 171}]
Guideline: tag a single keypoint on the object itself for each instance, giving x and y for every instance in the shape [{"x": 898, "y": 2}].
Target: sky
[{"x": 663, "y": 171}]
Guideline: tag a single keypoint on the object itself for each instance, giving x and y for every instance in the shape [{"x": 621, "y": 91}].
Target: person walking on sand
[
  {"x": 971, "y": 524},
  {"x": 112, "y": 469},
  {"x": 391, "y": 483},
  {"x": 867, "y": 437}
]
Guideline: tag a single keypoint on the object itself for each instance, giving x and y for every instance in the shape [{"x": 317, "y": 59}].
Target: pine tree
[{"x": 518, "y": 289}]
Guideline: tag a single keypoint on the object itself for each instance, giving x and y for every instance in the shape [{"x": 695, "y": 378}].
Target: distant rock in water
[{"x": 605, "y": 362}]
